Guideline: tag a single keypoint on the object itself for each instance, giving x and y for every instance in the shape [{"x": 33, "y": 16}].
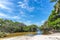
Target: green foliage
[
  {"x": 33, "y": 28},
  {"x": 9, "y": 26},
  {"x": 53, "y": 21},
  {"x": 53, "y": 0},
  {"x": 2, "y": 34}
]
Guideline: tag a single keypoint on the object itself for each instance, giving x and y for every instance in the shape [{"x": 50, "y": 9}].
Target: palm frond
[{"x": 53, "y": 0}]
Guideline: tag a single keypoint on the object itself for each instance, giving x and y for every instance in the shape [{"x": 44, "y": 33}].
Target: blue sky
[{"x": 26, "y": 11}]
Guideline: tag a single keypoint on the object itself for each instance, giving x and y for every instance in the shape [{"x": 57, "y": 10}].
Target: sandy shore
[{"x": 55, "y": 36}]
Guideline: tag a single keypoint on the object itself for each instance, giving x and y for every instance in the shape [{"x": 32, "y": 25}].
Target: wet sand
[{"x": 55, "y": 36}]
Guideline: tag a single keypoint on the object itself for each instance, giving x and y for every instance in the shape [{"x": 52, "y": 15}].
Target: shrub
[{"x": 2, "y": 34}]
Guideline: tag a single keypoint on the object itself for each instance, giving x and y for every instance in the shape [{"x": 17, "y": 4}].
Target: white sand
[{"x": 55, "y": 36}]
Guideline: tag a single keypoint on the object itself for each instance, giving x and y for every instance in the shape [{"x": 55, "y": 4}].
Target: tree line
[
  {"x": 10, "y": 26},
  {"x": 53, "y": 22}
]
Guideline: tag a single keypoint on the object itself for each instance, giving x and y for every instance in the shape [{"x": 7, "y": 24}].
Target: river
[{"x": 38, "y": 32}]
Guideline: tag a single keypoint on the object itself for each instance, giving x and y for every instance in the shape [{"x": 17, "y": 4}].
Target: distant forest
[{"x": 10, "y": 26}]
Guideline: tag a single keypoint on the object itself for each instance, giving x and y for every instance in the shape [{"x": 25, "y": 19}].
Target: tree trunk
[{"x": 57, "y": 7}]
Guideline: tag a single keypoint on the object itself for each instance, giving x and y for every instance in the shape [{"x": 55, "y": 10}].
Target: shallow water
[
  {"x": 21, "y": 34},
  {"x": 38, "y": 32}
]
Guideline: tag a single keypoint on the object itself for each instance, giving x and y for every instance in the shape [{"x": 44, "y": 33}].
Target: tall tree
[{"x": 57, "y": 6}]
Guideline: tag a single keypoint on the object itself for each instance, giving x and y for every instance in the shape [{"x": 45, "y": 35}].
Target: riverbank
[
  {"x": 18, "y": 34},
  {"x": 55, "y": 36}
]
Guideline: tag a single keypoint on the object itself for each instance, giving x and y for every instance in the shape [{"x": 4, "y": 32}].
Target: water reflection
[{"x": 38, "y": 32}]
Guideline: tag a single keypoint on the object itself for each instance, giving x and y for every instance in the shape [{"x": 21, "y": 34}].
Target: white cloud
[
  {"x": 42, "y": 22},
  {"x": 30, "y": 9},
  {"x": 2, "y": 15},
  {"x": 28, "y": 22},
  {"x": 16, "y": 17},
  {"x": 5, "y": 5},
  {"x": 26, "y": 6},
  {"x": 22, "y": 13},
  {"x": 22, "y": 5}
]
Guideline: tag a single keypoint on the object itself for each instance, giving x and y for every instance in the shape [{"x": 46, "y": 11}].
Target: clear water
[{"x": 38, "y": 32}]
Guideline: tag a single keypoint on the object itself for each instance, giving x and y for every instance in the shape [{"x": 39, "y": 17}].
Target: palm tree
[
  {"x": 53, "y": 0},
  {"x": 57, "y": 6}
]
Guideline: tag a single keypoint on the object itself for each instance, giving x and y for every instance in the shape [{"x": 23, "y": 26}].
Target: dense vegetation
[
  {"x": 53, "y": 22},
  {"x": 9, "y": 26}
]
